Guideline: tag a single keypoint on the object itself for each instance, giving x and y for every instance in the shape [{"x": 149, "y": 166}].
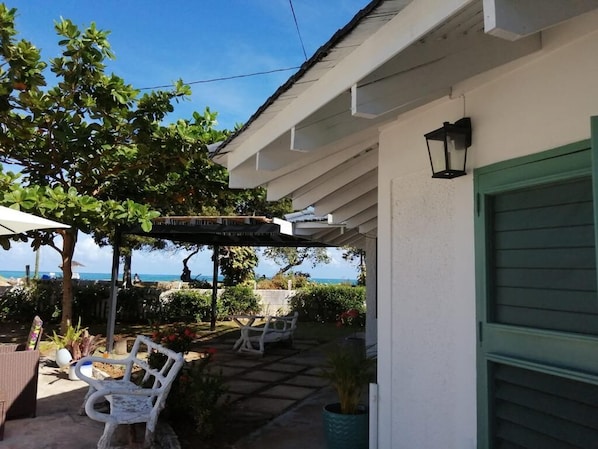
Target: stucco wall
[{"x": 426, "y": 283}]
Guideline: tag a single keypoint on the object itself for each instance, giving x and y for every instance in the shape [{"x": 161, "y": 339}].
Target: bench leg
[
  {"x": 90, "y": 390},
  {"x": 104, "y": 442}
]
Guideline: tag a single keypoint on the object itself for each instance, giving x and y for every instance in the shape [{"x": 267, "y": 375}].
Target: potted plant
[
  {"x": 349, "y": 370},
  {"x": 76, "y": 343}
]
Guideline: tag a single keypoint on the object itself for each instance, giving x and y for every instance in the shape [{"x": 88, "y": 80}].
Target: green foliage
[
  {"x": 326, "y": 303},
  {"x": 289, "y": 257},
  {"x": 187, "y": 306},
  {"x": 238, "y": 263},
  {"x": 349, "y": 370},
  {"x": 196, "y": 396},
  {"x": 281, "y": 281},
  {"x": 356, "y": 256},
  {"x": 239, "y": 299},
  {"x": 196, "y": 392},
  {"x": 18, "y": 303},
  {"x": 77, "y": 340}
]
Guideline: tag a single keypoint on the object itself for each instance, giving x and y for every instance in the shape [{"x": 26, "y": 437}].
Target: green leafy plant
[
  {"x": 197, "y": 395},
  {"x": 77, "y": 340},
  {"x": 239, "y": 299},
  {"x": 349, "y": 369}
]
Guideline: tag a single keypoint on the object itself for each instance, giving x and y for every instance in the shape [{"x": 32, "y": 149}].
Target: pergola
[{"x": 215, "y": 231}]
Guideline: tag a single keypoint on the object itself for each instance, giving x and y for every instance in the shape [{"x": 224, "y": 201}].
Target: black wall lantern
[{"x": 447, "y": 148}]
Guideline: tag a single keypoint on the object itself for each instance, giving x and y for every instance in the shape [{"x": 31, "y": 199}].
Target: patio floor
[{"x": 279, "y": 395}]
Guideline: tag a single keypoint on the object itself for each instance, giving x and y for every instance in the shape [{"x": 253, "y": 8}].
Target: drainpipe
[{"x": 373, "y": 444}]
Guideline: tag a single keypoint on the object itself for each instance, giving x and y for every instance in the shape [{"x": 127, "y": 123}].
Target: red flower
[{"x": 352, "y": 313}]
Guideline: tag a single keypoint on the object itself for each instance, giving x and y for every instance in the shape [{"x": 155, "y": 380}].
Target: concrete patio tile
[
  {"x": 307, "y": 381},
  {"x": 315, "y": 371},
  {"x": 286, "y": 367},
  {"x": 244, "y": 386},
  {"x": 265, "y": 376},
  {"x": 226, "y": 371},
  {"x": 242, "y": 362},
  {"x": 288, "y": 391},
  {"x": 268, "y": 406}
]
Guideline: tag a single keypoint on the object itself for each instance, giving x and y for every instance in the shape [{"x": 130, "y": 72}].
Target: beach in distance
[{"x": 146, "y": 277}]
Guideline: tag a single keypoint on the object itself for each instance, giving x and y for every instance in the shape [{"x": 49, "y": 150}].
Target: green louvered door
[{"x": 537, "y": 302}]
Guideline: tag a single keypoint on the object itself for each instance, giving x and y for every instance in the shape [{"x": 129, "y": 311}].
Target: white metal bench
[
  {"x": 277, "y": 328},
  {"x": 131, "y": 400}
]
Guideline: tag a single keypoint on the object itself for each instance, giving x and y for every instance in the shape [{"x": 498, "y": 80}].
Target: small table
[{"x": 244, "y": 321}]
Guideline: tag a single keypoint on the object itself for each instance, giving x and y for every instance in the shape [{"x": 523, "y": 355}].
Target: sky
[{"x": 157, "y": 42}]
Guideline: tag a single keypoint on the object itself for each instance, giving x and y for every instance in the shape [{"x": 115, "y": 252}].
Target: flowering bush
[
  {"x": 351, "y": 318},
  {"x": 177, "y": 339}
]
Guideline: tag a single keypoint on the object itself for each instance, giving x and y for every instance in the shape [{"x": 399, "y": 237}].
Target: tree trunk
[
  {"x": 69, "y": 239},
  {"x": 127, "y": 269}
]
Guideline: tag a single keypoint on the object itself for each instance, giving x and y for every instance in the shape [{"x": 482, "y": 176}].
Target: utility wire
[
  {"x": 298, "y": 32},
  {"x": 247, "y": 75},
  {"x": 224, "y": 78}
]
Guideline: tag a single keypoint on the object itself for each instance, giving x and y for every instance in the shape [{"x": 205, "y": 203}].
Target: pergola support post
[{"x": 216, "y": 258}]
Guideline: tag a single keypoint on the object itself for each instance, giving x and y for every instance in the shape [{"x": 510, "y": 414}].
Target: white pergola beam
[
  {"x": 369, "y": 227},
  {"x": 337, "y": 199},
  {"x": 363, "y": 217},
  {"x": 415, "y": 74},
  {"x": 287, "y": 184},
  {"x": 355, "y": 207},
  {"x": 514, "y": 19},
  {"x": 342, "y": 175}
]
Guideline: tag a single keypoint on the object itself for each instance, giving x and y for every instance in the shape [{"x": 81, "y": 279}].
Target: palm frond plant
[{"x": 349, "y": 370}]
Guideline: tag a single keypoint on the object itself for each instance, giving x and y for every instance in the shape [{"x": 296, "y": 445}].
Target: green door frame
[{"x": 541, "y": 350}]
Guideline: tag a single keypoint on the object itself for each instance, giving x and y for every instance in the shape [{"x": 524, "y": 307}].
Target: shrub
[
  {"x": 239, "y": 299},
  {"x": 326, "y": 303},
  {"x": 18, "y": 303},
  {"x": 281, "y": 281},
  {"x": 187, "y": 306}
]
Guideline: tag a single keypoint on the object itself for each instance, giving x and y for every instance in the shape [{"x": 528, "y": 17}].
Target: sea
[{"x": 146, "y": 277}]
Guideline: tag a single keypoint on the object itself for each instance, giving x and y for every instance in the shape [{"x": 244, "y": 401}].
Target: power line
[
  {"x": 247, "y": 75},
  {"x": 224, "y": 78},
  {"x": 298, "y": 32}
]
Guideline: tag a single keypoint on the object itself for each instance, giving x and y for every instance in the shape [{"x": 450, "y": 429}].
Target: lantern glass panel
[{"x": 437, "y": 157}]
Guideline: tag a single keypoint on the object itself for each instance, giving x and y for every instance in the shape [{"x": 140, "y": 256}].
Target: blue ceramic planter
[{"x": 345, "y": 431}]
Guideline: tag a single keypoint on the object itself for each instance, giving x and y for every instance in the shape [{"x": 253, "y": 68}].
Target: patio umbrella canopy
[{"x": 15, "y": 222}]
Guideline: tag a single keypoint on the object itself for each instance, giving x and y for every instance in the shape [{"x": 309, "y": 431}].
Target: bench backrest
[
  {"x": 160, "y": 376},
  {"x": 282, "y": 323}
]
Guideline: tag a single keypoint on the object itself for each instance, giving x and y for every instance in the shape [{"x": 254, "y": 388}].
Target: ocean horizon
[{"x": 147, "y": 277}]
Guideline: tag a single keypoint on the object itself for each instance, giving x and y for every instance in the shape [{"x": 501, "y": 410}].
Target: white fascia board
[
  {"x": 514, "y": 19},
  {"x": 413, "y": 22}
]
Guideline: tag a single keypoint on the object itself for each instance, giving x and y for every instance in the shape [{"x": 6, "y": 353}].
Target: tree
[
  {"x": 237, "y": 264},
  {"x": 356, "y": 255},
  {"x": 90, "y": 150},
  {"x": 289, "y": 257}
]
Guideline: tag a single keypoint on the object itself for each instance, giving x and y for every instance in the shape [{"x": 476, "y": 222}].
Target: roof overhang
[{"x": 315, "y": 140}]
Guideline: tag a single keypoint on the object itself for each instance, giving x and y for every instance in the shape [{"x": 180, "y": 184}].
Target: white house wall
[{"x": 426, "y": 283}]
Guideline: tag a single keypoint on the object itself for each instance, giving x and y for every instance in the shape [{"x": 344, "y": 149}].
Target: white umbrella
[{"x": 15, "y": 222}]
